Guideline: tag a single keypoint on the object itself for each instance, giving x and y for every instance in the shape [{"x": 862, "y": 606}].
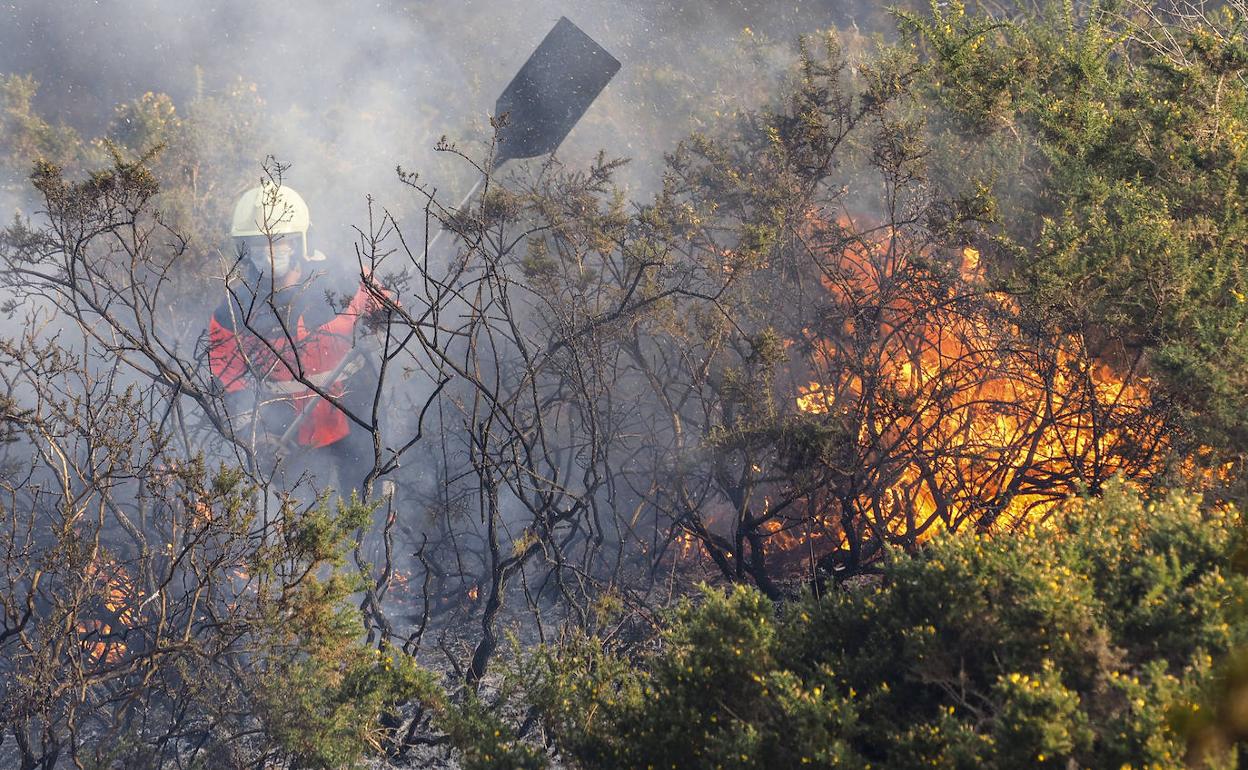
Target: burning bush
[
  {"x": 842, "y": 369},
  {"x": 960, "y": 416}
]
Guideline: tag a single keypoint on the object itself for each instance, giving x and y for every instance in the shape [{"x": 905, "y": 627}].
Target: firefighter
[{"x": 285, "y": 323}]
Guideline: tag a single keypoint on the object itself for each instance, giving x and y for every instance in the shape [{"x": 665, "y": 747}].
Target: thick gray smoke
[
  {"x": 373, "y": 85},
  {"x": 348, "y": 91}
]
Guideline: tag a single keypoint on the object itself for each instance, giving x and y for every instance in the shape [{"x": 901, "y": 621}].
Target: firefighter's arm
[
  {"x": 228, "y": 364},
  {"x": 225, "y": 357}
]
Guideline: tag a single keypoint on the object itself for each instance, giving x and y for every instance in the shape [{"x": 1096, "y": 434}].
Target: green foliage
[
  {"x": 319, "y": 692},
  {"x": 195, "y": 160},
  {"x": 325, "y": 709},
  {"x": 1068, "y": 648},
  {"x": 484, "y": 738},
  {"x": 716, "y": 697},
  {"x": 1118, "y": 174},
  {"x": 25, "y": 136},
  {"x": 322, "y": 692}
]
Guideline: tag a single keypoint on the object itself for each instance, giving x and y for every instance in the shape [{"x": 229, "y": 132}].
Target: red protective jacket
[{"x": 249, "y": 346}]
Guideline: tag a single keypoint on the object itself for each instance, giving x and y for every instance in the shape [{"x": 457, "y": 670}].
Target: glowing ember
[{"x": 101, "y": 639}]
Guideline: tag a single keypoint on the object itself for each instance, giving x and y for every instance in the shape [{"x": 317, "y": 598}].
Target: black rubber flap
[{"x": 551, "y": 92}]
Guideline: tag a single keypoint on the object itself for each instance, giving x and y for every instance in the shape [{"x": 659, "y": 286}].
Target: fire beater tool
[{"x": 561, "y": 79}]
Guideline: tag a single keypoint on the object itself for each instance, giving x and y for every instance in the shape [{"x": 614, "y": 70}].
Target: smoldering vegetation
[{"x": 753, "y": 323}]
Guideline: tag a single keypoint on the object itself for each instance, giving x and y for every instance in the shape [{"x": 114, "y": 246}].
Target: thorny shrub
[{"x": 1079, "y": 646}]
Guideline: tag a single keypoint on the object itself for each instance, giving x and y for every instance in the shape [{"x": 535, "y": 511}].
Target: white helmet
[{"x": 265, "y": 216}]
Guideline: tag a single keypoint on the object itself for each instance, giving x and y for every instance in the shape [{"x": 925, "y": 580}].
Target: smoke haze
[
  {"x": 344, "y": 92},
  {"x": 350, "y": 90}
]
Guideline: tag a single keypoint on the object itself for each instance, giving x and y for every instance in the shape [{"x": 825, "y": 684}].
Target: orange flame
[
  {"x": 955, "y": 414},
  {"x": 99, "y": 638}
]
